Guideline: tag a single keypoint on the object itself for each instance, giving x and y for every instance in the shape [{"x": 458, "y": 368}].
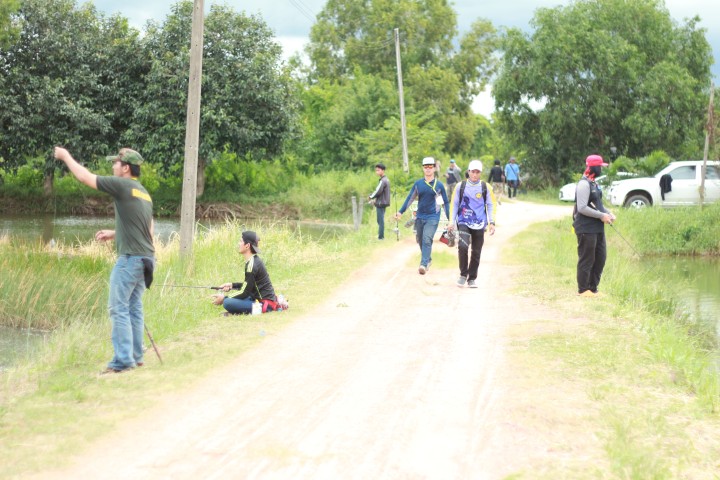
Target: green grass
[
  {"x": 649, "y": 370},
  {"x": 55, "y": 404}
]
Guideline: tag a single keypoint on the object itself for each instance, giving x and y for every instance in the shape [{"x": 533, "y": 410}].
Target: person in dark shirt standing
[
  {"x": 381, "y": 198},
  {"x": 497, "y": 180},
  {"x": 452, "y": 176},
  {"x": 589, "y": 219},
  {"x": 133, "y": 236},
  {"x": 256, "y": 285}
]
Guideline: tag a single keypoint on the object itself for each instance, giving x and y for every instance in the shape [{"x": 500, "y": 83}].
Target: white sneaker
[{"x": 422, "y": 269}]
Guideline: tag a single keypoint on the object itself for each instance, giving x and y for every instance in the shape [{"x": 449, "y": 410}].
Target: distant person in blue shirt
[
  {"x": 432, "y": 198},
  {"x": 512, "y": 177}
]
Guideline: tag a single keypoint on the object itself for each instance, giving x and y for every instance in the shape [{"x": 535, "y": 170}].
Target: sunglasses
[{"x": 428, "y": 166}]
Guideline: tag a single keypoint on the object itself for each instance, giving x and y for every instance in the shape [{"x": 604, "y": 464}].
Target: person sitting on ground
[{"x": 255, "y": 287}]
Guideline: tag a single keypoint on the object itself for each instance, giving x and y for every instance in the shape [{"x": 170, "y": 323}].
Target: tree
[
  {"x": 605, "y": 73},
  {"x": 356, "y": 36},
  {"x": 65, "y": 80},
  {"x": 359, "y": 33},
  {"x": 248, "y": 105},
  {"x": 8, "y": 31},
  {"x": 336, "y": 113}
]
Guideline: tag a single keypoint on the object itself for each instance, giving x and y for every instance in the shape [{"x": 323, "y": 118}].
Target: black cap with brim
[{"x": 251, "y": 237}]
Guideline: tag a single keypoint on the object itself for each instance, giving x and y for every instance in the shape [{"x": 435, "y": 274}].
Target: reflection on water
[
  {"x": 16, "y": 344},
  {"x": 697, "y": 281},
  {"x": 71, "y": 229}
]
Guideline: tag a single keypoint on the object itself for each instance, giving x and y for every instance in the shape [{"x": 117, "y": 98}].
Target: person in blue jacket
[{"x": 432, "y": 198}]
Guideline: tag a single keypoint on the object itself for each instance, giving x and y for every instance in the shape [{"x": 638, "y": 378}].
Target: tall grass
[
  {"x": 649, "y": 370},
  {"x": 677, "y": 231},
  {"x": 58, "y": 394},
  {"x": 65, "y": 289},
  {"x": 45, "y": 288},
  {"x": 688, "y": 347}
]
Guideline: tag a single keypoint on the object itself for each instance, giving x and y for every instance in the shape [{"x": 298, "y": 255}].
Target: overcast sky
[{"x": 291, "y": 19}]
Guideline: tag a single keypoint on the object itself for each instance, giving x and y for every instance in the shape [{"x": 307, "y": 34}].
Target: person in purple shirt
[
  {"x": 432, "y": 198},
  {"x": 471, "y": 212}
]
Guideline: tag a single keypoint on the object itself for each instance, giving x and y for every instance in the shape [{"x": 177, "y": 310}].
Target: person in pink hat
[{"x": 589, "y": 219}]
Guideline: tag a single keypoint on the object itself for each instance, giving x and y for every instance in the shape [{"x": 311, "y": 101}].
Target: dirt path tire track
[{"x": 389, "y": 379}]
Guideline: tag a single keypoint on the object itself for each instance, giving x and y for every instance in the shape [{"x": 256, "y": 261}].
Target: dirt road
[{"x": 396, "y": 376}]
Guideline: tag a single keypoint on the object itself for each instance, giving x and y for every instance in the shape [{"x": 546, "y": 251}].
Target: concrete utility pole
[
  {"x": 192, "y": 132},
  {"x": 709, "y": 136},
  {"x": 402, "y": 101}
]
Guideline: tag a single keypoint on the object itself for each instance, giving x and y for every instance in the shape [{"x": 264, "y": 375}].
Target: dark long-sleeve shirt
[
  {"x": 425, "y": 193},
  {"x": 382, "y": 193},
  {"x": 257, "y": 283}
]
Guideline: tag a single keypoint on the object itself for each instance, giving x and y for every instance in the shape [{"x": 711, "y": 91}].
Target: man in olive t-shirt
[{"x": 133, "y": 236}]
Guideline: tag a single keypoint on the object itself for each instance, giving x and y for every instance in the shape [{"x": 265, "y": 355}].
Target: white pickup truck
[{"x": 684, "y": 187}]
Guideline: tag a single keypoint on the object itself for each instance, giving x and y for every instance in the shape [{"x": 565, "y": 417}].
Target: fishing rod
[
  {"x": 628, "y": 243},
  {"x": 152, "y": 342},
  {"x": 397, "y": 221},
  {"x": 191, "y": 286}
]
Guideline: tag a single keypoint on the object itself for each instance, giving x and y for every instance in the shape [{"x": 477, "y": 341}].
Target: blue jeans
[
  {"x": 425, "y": 229},
  {"x": 238, "y": 305},
  {"x": 381, "y": 221},
  {"x": 127, "y": 284}
]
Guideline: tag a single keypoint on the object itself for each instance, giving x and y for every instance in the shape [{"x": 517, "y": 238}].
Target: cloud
[{"x": 291, "y": 20}]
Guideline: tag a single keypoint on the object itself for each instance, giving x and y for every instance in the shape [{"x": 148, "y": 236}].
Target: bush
[{"x": 328, "y": 194}]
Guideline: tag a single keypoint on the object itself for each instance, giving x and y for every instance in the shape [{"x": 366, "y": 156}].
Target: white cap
[
  {"x": 428, "y": 161},
  {"x": 475, "y": 165}
]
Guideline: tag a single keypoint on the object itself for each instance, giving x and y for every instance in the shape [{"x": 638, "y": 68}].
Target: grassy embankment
[
  {"x": 233, "y": 188},
  {"x": 55, "y": 404},
  {"x": 649, "y": 371}
]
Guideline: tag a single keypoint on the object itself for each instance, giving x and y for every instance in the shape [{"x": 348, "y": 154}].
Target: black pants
[
  {"x": 512, "y": 188},
  {"x": 592, "y": 253},
  {"x": 381, "y": 221},
  {"x": 470, "y": 240}
]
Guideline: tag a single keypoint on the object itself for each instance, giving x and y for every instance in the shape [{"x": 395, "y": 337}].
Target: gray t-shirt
[{"x": 133, "y": 215}]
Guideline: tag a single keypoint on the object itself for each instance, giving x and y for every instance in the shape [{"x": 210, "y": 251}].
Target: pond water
[
  {"x": 76, "y": 229},
  {"x": 697, "y": 281}
]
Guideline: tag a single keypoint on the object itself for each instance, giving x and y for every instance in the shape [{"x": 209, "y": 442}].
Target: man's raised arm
[{"x": 81, "y": 173}]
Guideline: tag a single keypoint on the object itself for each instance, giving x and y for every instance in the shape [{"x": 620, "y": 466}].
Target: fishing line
[{"x": 628, "y": 243}]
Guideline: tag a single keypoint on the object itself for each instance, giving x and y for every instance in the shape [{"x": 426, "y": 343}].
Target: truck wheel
[{"x": 637, "y": 201}]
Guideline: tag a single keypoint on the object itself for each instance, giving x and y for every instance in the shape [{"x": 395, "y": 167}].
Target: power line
[{"x": 303, "y": 9}]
